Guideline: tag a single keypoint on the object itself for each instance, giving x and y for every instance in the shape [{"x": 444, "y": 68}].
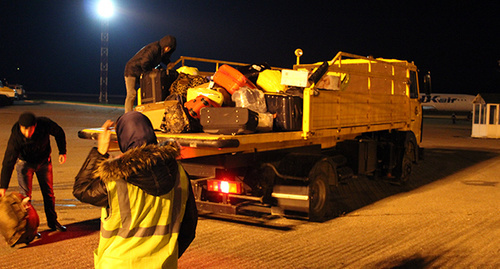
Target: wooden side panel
[{"x": 376, "y": 93}]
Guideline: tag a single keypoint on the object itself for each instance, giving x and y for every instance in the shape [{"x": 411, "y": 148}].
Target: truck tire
[
  {"x": 319, "y": 190},
  {"x": 404, "y": 168}
]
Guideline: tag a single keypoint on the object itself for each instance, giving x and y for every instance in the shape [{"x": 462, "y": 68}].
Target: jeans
[
  {"x": 43, "y": 173},
  {"x": 130, "y": 85}
]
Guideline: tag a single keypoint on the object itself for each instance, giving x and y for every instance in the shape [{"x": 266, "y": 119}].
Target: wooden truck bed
[{"x": 372, "y": 95}]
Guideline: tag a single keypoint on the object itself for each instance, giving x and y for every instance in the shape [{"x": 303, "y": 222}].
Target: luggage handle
[
  {"x": 318, "y": 74},
  {"x": 181, "y": 99}
]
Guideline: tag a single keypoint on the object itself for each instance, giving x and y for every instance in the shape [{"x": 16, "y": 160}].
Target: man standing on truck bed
[
  {"x": 144, "y": 61},
  {"x": 29, "y": 150}
]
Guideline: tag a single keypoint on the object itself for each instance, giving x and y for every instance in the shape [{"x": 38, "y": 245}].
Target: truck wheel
[
  {"x": 403, "y": 173},
  {"x": 319, "y": 191}
]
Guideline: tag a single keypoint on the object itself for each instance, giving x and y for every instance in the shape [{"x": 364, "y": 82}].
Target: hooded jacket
[
  {"x": 153, "y": 177},
  {"x": 34, "y": 150},
  {"x": 150, "y": 56}
]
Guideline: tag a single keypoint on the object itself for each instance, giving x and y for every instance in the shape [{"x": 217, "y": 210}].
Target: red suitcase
[
  {"x": 194, "y": 106},
  {"x": 231, "y": 79}
]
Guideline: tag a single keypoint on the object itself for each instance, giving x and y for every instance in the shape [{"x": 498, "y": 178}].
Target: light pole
[{"x": 105, "y": 10}]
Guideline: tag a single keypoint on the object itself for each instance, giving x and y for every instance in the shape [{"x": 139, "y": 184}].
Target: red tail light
[{"x": 224, "y": 186}]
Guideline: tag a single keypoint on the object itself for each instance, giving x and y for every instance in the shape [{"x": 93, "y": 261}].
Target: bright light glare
[
  {"x": 224, "y": 187},
  {"x": 105, "y": 8}
]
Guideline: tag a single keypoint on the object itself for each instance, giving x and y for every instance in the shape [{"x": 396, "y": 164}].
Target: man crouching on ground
[{"x": 149, "y": 213}]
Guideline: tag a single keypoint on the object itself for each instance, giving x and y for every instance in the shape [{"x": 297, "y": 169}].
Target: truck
[
  {"x": 7, "y": 95},
  {"x": 366, "y": 122},
  {"x": 20, "y": 91}
]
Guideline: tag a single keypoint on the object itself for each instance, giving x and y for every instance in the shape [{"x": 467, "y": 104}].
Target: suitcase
[
  {"x": 194, "y": 106},
  {"x": 155, "y": 112},
  {"x": 228, "y": 120},
  {"x": 288, "y": 111},
  {"x": 270, "y": 81},
  {"x": 231, "y": 79},
  {"x": 19, "y": 222},
  {"x": 155, "y": 85},
  {"x": 252, "y": 71}
]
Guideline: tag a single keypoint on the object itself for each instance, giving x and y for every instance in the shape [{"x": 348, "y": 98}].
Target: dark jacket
[
  {"x": 34, "y": 150},
  {"x": 150, "y": 56},
  {"x": 152, "y": 168}
]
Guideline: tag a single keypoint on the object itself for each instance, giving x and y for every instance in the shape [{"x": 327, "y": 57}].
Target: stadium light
[{"x": 105, "y": 10}]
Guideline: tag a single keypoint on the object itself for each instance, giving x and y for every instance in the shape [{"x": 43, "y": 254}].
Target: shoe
[{"x": 58, "y": 227}]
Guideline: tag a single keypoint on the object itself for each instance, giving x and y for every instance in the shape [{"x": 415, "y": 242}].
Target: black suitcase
[
  {"x": 252, "y": 71},
  {"x": 288, "y": 111},
  {"x": 155, "y": 85},
  {"x": 228, "y": 120}
]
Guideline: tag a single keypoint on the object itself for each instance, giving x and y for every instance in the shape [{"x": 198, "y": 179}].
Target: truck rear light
[{"x": 224, "y": 186}]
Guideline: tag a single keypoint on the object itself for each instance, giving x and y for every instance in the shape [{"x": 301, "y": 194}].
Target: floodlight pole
[{"x": 103, "y": 96}]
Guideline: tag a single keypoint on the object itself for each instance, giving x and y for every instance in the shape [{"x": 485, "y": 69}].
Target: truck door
[{"x": 415, "y": 106}]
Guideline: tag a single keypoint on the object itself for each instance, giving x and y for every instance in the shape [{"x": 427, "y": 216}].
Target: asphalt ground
[{"x": 447, "y": 216}]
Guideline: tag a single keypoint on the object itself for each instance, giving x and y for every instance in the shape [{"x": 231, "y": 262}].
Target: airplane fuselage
[{"x": 447, "y": 102}]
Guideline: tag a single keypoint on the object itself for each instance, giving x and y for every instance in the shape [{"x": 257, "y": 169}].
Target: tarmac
[{"x": 446, "y": 217}]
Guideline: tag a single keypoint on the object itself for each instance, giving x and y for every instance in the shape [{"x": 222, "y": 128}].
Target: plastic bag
[
  {"x": 252, "y": 99},
  {"x": 265, "y": 122}
]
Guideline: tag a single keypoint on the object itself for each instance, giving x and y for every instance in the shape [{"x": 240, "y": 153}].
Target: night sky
[{"x": 54, "y": 46}]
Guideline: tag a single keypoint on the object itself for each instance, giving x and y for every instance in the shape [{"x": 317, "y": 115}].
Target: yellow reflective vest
[{"x": 139, "y": 230}]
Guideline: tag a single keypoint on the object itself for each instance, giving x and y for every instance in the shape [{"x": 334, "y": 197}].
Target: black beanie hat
[{"x": 27, "y": 119}]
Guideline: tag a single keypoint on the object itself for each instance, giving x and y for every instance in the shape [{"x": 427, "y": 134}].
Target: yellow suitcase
[
  {"x": 207, "y": 91},
  {"x": 270, "y": 81}
]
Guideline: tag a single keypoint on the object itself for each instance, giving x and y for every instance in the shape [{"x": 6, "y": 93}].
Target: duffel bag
[{"x": 19, "y": 222}]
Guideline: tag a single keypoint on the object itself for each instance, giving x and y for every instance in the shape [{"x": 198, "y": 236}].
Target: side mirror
[{"x": 427, "y": 84}]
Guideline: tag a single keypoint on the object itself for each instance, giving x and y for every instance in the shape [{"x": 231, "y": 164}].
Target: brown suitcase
[{"x": 154, "y": 111}]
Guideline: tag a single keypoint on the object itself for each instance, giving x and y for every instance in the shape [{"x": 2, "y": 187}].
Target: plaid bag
[
  {"x": 176, "y": 120},
  {"x": 184, "y": 82}
]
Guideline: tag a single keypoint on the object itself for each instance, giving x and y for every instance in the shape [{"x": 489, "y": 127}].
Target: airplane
[{"x": 447, "y": 102}]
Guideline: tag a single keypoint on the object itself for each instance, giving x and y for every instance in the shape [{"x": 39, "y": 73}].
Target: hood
[
  {"x": 152, "y": 168},
  {"x": 168, "y": 41},
  {"x": 134, "y": 129}
]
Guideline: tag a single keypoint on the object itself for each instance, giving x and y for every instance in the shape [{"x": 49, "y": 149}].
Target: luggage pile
[{"x": 239, "y": 100}]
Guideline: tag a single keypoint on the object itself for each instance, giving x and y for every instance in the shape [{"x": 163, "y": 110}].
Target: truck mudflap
[{"x": 291, "y": 198}]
